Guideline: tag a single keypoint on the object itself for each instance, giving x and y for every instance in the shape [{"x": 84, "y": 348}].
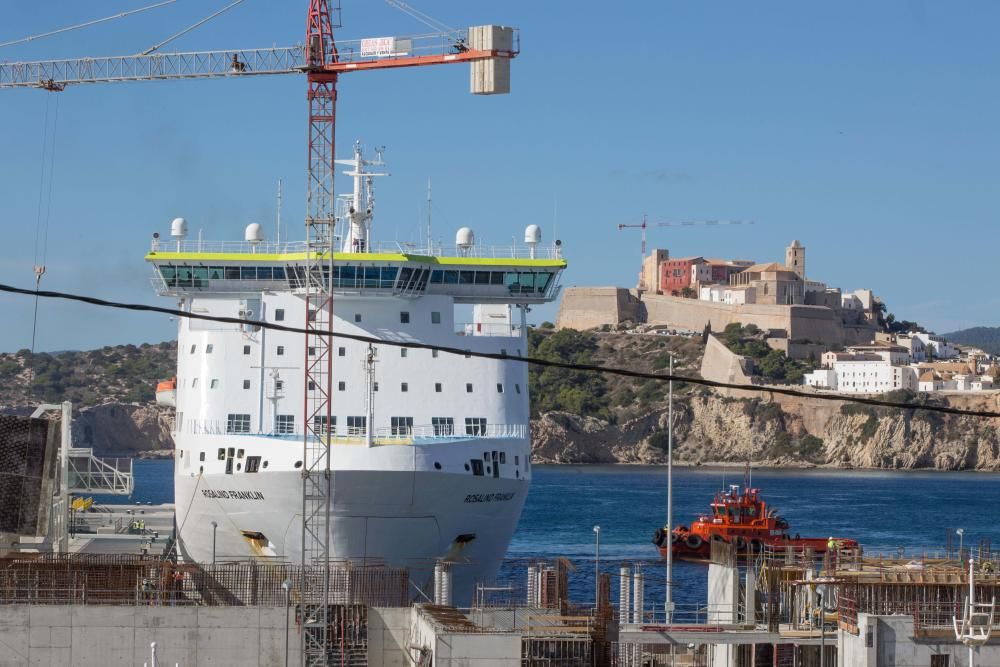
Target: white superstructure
[{"x": 430, "y": 450}]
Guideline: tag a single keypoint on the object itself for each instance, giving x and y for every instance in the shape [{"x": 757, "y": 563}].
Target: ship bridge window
[
  {"x": 320, "y": 424},
  {"x": 248, "y": 273},
  {"x": 232, "y": 273},
  {"x": 169, "y": 275},
  {"x": 264, "y": 273},
  {"x": 401, "y": 425},
  {"x": 216, "y": 273},
  {"x": 372, "y": 277},
  {"x": 451, "y": 277},
  {"x": 284, "y": 424},
  {"x": 437, "y": 276},
  {"x": 443, "y": 425},
  {"x": 237, "y": 423},
  {"x": 482, "y": 277},
  {"x": 475, "y": 426},
  {"x": 466, "y": 277}
]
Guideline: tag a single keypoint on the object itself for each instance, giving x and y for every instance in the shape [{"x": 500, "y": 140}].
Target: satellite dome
[
  {"x": 532, "y": 234},
  {"x": 464, "y": 238},
  {"x": 179, "y": 228},
  {"x": 254, "y": 233}
]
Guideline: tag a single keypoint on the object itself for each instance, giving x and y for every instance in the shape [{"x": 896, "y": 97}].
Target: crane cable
[
  {"x": 86, "y": 24},
  {"x": 42, "y": 225},
  {"x": 427, "y": 20},
  {"x": 502, "y": 356},
  {"x": 190, "y": 28}
]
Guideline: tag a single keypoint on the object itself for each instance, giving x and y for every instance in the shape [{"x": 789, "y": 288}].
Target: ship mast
[{"x": 361, "y": 203}]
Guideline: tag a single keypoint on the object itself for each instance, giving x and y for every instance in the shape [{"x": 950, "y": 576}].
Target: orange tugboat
[{"x": 743, "y": 518}]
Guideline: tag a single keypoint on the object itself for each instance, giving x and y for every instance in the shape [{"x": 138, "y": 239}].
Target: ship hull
[{"x": 389, "y": 504}]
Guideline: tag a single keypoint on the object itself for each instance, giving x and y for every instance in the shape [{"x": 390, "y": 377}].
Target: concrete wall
[
  {"x": 893, "y": 643},
  {"x": 107, "y": 636},
  {"x": 388, "y": 631},
  {"x": 589, "y": 307}
]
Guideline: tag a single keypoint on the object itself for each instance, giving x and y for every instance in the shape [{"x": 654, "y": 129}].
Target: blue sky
[{"x": 867, "y": 130}]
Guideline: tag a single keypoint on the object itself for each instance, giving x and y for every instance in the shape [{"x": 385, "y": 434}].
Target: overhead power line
[
  {"x": 86, "y": 24},
  {"x": 610, "y": 370}
]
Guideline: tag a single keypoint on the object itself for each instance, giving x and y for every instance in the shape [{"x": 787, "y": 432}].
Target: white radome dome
[
  {"x": 179, "y": 228},
  {"x": 532, "y": 234},
  {"x": 254, "y": 233},
  {"x": 465, "y": 238}
]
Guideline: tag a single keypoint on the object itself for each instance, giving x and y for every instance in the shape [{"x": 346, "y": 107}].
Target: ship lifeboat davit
[
  {"x": 742, "y": 518},
  {"x": 166, "y": 393}
]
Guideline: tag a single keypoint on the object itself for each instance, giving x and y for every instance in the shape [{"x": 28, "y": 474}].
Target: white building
[
  {"x": 915, "y": 346},
  {"x": 863, "y": 376},
  {"x": 937, "y": 345},
  {"x": 713, "y": 293},
  {"x": 894, "y": 354},
  {"x": 727, "y": 294}
]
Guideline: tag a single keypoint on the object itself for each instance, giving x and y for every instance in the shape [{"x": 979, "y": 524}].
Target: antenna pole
[
  {"x": 669, "y": 606},
  {"x": 277, "y": 236},
  {"x": 430, "y": 243}
]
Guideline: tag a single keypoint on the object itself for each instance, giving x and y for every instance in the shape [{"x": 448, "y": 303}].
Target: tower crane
[
  {"x": 669, "y": 223},
  {"x": 488, "y": 49}
]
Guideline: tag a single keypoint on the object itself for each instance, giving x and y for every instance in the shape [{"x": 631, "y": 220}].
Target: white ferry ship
[{"x": 430, "y": 451}]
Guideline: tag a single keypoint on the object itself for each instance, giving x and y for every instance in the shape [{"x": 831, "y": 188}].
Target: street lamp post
[
  {"x": 669, "y": 604},
  {"x": 822, "y": 631},
  {"x": 287, "y": 585},
  {"x": 597, "y": 565},
  {"x": 961, "y": 538},
  {"x": 215, "y": 527}
]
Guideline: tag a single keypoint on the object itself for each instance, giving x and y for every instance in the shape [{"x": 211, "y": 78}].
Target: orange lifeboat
[
  {"x": 744, "y": 519},
  {"x": 166, "y": 393}
]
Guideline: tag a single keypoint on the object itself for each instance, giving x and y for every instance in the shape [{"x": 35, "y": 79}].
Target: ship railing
[
  {"x": 437, "y": 432},
  {"x": 399, "y": 433},
  {"x": 700, "y": 616},
  {"x": 489, "y": 329},
  {"x": 502, "y": 251}
]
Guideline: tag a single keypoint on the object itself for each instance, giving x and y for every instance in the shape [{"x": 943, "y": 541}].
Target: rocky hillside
[
  {"x": 630, "y": 422},
  {"x": 577, "y": 417}
]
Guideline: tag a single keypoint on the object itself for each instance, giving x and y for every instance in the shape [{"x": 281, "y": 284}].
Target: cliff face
[
  {"x": 124, "y": 430},
  {"x": 793, "y": 432}
]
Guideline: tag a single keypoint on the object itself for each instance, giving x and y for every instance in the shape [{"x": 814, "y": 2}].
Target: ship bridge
[{"x": 520, "y": 274}]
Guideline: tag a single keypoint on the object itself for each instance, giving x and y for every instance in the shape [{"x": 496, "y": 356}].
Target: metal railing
[
  {"x": 505, "y": 251},
  {"x": 351, "y": 434},
  {"x": 699, "y": 615}
]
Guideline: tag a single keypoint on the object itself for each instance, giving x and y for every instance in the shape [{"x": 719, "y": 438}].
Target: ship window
[
  {"x": 475, "y": 426},
  {"x": 517, "y": 388},
  {"x": 232, "y": 272},
  {"x": 312, "y": 385},
  {"x": 404, "y": 276},
  {"x": 298, "y": 464},
  {"x": 443, "y": 425},
  {"x": 193, "y": 348},
  {"x": 477, "y": 467},
  {"x": 404, "y": 386},
  {"x": 434, "y": 354},
  {"x": 341, "y": 386},
  {"x": 542, "y": 281},
  {"x": 201, "y": 456},
  {"x": 341, "y": 351},
  {"x": 184, "y": 276},
  {"x": 503, "y": 457},
  {"x": 389, "y": 274},
  {"x": 253, "y": 463},
  {"x": 279, "y": 315},
  {"x": 216, "y": 273},
  {"x": 237, "y": 423},
  {"x": 222, "y": 453},
  {"x": 437, "y": 387},
  {"x": 209, "y": 348},
  {"x": 371, "y": 276},
  {"x": 451, "y": 277},
  {"x": 281, "y": 350},
  {"x": 312, "y": 351},
  {"x": 466, "y": 277},
  {"x": 279, "y": 272},
  {"x": 284, "y": 424},
  {"x": 437, "y": 466},
  {"x": 169, "y": 275},
  {"x": 248, "y": 273},
  {"x": 435, "y": 317},
  {"x": 246, "y": 349},
  {"x": 499, "y": 387},
  {"x": 357, "y": 317},
  {"x": 468, "y": 387},
  {"x": 264, "y": 273},
  {"x": 357, "y": 425},
  {"x": 194, "y": 383},
  {"x": 467, "y": 467},
  {"x": 200, "y": 276},
  {"x": 437, "y": 275},
  {"x": 401, "y": 425},
  {"x": 403, "y": 351},
  {"x": 517, "y": 460},
  {"x": 320, "y": 422},
  {"x": 482, "y": 277},
  {"x": 239, "y": 453},
  {"x": 215, "y": 384}
]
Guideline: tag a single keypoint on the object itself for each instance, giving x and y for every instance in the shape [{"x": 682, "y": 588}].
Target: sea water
[{"x": 885, "y": 511}]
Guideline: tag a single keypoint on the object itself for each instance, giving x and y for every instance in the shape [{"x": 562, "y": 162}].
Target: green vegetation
[
  {"x": 563, "y": 389},
  {"x": 126, "y": 373},
  {"x": 749, "y": 341},
  {"x": 807, "y": 448},
  {"x": 985, "y": 338}
]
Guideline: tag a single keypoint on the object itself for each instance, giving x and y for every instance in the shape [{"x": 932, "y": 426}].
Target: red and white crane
[{"x": 489, "y": 49}]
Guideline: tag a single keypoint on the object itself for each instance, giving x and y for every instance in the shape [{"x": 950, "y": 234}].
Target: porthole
[
  {"x": 466, "y": 467},
  {"x": 201, "y": 469},
  {"x": 517, "y": 473},
  {"x": 488, "y": 469},
  {"x": 298, "y": 464},
  {"x": 239, "y": 466},
  {"x": 437, "y": 466},
  {"x": 265, "y": 464}
]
